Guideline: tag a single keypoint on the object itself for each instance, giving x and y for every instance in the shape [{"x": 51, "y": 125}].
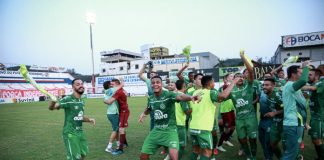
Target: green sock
[
  {"x": 321, "y": 156},
  {"x": 253, "y": 145},
  {"x": 246, "y": 149},
  {"x": 181, "y": 149},
  {"x": 202, "y": 157},
  {"x": 193, "y": 156},
  {"x": 277, "y": 152}
]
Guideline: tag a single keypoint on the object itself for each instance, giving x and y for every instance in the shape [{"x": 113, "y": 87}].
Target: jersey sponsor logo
[
  {"x": 241, "y": 102},
  {"x": 159, "y": 115},
  {"x": 79, "y": 117}
]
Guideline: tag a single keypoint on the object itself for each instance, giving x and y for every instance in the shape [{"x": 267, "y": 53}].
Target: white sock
[
  {"x": 109, "y": 145},
  {"x": 117, "y": 142}
]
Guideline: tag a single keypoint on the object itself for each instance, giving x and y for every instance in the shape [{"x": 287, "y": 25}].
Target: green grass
[{"x": 31, "y": 131}]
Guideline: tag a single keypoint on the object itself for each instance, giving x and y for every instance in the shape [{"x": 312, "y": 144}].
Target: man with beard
[
  {"x": 270, "y": 125},
  {"x": 294, "y": 110},
  {"x": 73, "y": 136},
  {"x": 242, "y": 96},
  {"x": 316, "y": 121},
  {"x": 121, "y": 97},
  {"x": 164, "y": 133}
]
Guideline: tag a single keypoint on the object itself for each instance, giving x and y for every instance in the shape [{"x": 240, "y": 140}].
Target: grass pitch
[{"x": 31, "y": 131}]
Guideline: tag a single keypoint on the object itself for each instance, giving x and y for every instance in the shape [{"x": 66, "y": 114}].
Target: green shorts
[
  {"x": 182, "y": 135},
  {"x": 317, "y": 129},
  {"x": 276, "y": 132},
  {"x": 157, "y": 138},
  {"x": 114, "y": 120},
  {"x": 247, "y": 128},
  {"x": 201, "y": 138},
  {"x": 76, "y": 145}
]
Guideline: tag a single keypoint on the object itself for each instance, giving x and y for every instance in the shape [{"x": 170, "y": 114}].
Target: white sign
[
  {"x": 174, "y": 60},
  {"x": 131, "y": 79},
  {"x": 306, "y": 39}
]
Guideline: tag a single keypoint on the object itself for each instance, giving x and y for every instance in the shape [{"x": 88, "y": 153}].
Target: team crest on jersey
[
  {"x": 76, "y": 107},
  {"x": 244, "y": 94},
  {"x": 162, "y": 106}
]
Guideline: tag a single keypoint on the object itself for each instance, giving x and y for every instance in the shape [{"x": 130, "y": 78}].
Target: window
[
  {"x": 300, "y": 53},
  {"x": 103, "y": 70},
  {"x": 121, "y": 68},
  {"x": 174, "y": 70},
  {"x": 288, "y": 54},
  {"x": 136, "y": 66}
]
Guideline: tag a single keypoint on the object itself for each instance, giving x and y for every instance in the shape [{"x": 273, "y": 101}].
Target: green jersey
[
  {"x": 163, "y": 108},
  {"x": 74, "y": 110},
  {"x": 111, "y": 108},
  {"x": 275, "y": 104},
  {"x": 242, "y": 98},
  {"x": 320, "y": 97}
]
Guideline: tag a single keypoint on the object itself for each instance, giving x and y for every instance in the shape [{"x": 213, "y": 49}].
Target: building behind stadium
[{"x": 308, "y": 46}]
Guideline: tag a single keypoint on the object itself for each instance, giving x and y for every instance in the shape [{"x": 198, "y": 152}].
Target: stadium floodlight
[{"x": 91, "y": 19}]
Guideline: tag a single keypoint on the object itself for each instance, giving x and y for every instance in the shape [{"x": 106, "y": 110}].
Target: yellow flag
[
  {"x": 246, "y": 57},
  {"x": 24, "y": 72}
]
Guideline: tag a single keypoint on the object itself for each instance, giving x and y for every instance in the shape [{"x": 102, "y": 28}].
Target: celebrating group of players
[{"x": 186, "y": 108}]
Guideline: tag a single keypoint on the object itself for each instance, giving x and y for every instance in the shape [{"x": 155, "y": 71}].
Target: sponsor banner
[
  {"x": 28, "y": 93},
  {"x": 229, "y": 70},
  {"x": 260, "y": 71},
  {"x": 174, "y": 60},
  {"x": 303, "y": 39},
  {"x": 6, "y": 73},
  {"x": 131, "y": 79}
]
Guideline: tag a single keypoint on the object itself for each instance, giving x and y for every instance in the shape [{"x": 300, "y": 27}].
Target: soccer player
[
  {"x": 149, "y": 88},
  {"x": 294, "y": 110},
  {"x": 74, "y": 139},
  {"x": 182, "y": 110},
  {"x": 121, "y": 97},
  {"x": 203, "y": 117},
  {"x": 164, "y": 133},
  {"x": 112, "y": 112},
  {"x": 316, "y": 121},
  {"x": 227, "y": 115},
  {"x": 271, "y": 114},
  {"x": 246, "y": 120}
]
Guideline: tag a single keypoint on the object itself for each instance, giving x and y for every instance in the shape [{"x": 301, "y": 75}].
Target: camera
[{"x": 149, "y": 64}]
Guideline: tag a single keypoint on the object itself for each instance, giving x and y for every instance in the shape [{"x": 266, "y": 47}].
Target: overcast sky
[{"x": 54, "y": 32}]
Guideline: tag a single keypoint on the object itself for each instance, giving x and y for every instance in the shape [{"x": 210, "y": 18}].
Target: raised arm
[
  {"x": 179, "y": 74},
  {"x": 303, "y": 78},
  {"x": 248, "y": 67},
  {"x": 274, "y": 71},
  {"x": 141, "y": 73}
]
